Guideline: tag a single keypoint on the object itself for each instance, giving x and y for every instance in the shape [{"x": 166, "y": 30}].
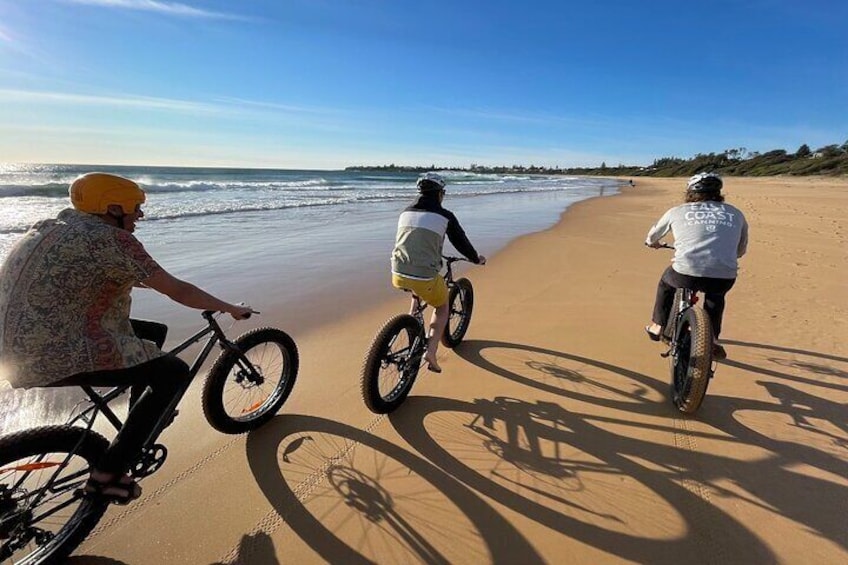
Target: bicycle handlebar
[
  {"x": 662, "y": 245},
  {"x": 208, "y": 314}
]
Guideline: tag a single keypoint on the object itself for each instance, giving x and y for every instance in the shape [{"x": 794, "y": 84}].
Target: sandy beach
[{"x": 549, "y": 436}]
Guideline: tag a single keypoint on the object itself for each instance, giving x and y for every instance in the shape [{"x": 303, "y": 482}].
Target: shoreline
[{"x": 351, "y": 272}]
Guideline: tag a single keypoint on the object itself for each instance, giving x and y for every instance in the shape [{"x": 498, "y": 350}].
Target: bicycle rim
[
  {"x": 244, "y": 398},
  {"x": 395, "y": 366}
]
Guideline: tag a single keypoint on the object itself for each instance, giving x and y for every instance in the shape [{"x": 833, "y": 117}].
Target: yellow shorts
[{"x": 434, "y": 292}]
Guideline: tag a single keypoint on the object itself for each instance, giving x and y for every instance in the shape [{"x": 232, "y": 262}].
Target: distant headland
[{"x": 829, "y": 160}]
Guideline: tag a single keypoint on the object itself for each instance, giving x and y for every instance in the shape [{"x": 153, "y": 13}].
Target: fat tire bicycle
[
  {"x": 689, "y": 335},
  {"x": 44, "y": 512},
  {"x": 394, "y": 357}
]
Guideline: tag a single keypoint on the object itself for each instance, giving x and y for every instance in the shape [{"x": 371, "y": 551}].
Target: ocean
[{"x": 310, "y": 244}]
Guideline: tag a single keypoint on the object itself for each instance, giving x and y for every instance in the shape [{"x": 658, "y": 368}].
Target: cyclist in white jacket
[
  {"x": 709, "y": 236},
  {"x": 417, "y": 255}
]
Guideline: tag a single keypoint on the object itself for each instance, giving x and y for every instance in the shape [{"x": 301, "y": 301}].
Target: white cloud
[
  {"x": 28, "y": 96},
  {"x": 170, "y": 8},
  {"x": 275, "y": 106},
  {"x": 228, "y": 109}
]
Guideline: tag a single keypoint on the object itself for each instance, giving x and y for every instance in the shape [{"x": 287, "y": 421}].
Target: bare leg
[{"x": 437, "y": 328}]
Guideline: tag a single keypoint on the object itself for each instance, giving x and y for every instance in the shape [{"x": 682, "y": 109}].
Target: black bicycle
[
  {"x": 44, "y": 512},
  {"x": 689, "y": 334},
  {"x": 395, "y": 355}
]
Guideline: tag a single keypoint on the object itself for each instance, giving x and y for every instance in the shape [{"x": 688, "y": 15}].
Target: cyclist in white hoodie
[
  {"x": 709, "y": 236},
  {"x": 417, "y": 255}
]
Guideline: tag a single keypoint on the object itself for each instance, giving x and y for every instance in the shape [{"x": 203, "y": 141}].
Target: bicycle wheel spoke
[{"x": 253, "y": 381}]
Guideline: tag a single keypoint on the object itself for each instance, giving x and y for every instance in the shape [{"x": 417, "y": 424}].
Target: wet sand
[{"x": 549, "y": 436}]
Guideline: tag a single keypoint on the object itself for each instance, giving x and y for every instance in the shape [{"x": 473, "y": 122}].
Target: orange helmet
[{"x": 94, "y": 192}]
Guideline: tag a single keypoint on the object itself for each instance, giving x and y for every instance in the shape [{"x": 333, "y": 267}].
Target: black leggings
[
  {"x": 165, "y": 376},
  {"x": 713, "y": 289}
]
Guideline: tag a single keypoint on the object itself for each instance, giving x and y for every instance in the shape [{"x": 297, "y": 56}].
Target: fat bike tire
[
  {"x": 691, "y": 362},
  {"x": 43, "y": 515},
  {"x": 392, "y": 364},
  {"x": 259, "y": 376},
  {"x": 461, "y": 304}
]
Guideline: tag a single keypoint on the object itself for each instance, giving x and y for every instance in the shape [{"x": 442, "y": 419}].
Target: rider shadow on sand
[
  {"x": 353, "y": 497},
  {"x": 812, "y": 413},
  {"x": 783, "y": 349},
  {"x": 253, "y": 549},
  {"x": 626, "y": 497},
  {"x": 775, "y": 482},
  {"x": 572, "y": 376}
]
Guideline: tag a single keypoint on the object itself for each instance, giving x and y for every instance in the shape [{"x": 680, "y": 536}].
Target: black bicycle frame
[
  {"x": 688, "y": 299},
  {"x": 100, "y": 402}
]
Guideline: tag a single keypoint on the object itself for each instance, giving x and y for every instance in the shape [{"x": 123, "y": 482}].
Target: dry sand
[{"x": 549, "y": 436}]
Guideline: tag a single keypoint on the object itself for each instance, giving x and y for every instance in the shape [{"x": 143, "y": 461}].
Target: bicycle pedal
[{"x": 173, "y": 417}]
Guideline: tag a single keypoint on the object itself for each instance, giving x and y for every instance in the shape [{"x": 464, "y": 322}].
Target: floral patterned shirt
[{"x": 65, "y": 301}]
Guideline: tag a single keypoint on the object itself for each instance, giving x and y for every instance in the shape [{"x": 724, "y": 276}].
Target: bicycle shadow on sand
[
  {"x": 784, "y": 349},
  {"x": 631, "y": 498},
  {"x": 353, "y": 497},
  {"x": 822, "y": 368},
  {"x": 573, "y": 376},
  {"x": 787, "y": 424}
]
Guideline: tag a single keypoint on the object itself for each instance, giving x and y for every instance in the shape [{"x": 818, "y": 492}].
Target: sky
[{"x": 326, "y": 84}]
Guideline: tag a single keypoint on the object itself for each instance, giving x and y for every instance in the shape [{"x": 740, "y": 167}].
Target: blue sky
[{"x": 331, "y": 83}]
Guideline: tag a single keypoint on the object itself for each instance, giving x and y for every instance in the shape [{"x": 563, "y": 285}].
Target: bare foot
[{"x": 432, "y": 364}]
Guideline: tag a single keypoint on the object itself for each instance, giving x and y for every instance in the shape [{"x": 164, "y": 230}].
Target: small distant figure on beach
[
  {"x": 631, "y": 182},
  {"x": 417, "y": 255},
  {"x": 709, "y": 237},
  {"x": 65, "y": 316}
]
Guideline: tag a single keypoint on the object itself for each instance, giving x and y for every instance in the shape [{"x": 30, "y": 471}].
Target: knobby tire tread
[{"x": 700, "y": 359}]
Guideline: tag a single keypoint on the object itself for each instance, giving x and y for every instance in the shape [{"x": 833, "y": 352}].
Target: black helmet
[
  {"x": 431, "y": 182},
  {"x": 704, "y": 182}
]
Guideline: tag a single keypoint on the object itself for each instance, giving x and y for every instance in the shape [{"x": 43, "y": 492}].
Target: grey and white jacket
[
  {"x": 420, "y": 236},
  {"x": 709, "y": 237}
]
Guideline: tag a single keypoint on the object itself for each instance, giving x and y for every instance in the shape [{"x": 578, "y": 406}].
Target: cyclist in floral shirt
[{"x": 64, "y": 315}]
